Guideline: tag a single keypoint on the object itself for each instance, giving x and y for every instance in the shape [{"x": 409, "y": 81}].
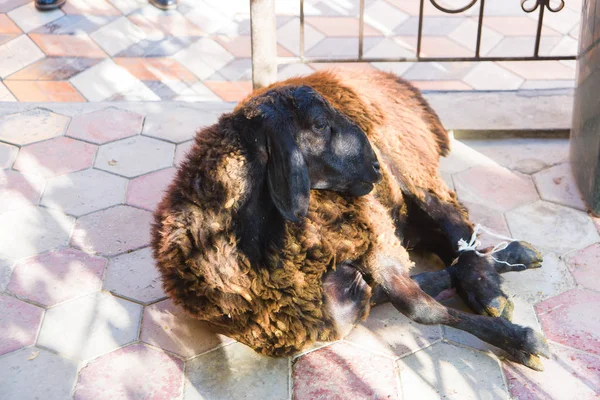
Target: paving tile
[
  {"x": 106, "y": 79},
  {"x": 74, "y": 24},
  {"x": 236, "y": 371},
  {"x": 68, "y": 46},
  {"x": 135, "y": 156},
  {"x": 55, "y": 157},
  {"x": 359, "y": 66},
  {"x": 54, "y": 69},
  {"x": 523, "y": 155},
  {"x": 45, "y": 91},
  {"x": 516, "y": 25},
  {"x": 156, "y": 69},
  {"x": 211, "y": 18},
  {"x": 572, "y": 319},
  {"x": 412, "y": 8},
  {"x": 39, "y": 230},
  {"x": 384, "y": 17},
  {"x": 134, "y": 371},
  {"x": 570, "y": 374},
  {"x": 7, "y": 37},
  {"x": 36, "y": 373},
  {"x": 585, "y": 266},
  {"x": 557, "y": 184},
  {"x": 118, "y": 35},
  {"x": 438, "y": 71},
  {"x": 178, "y": 125},
  {"x": 27, "y": 17},
  {"x": 134, "y": 276},
  {"x": 432, "y": 26},
  {"x": 204, "y": 57},
  {"x": 19, "y": 324},
  {"x": 441, "y": 85},
  {"x": 105, "y": 125},
  {"x": 547, "y": 84},
  {"x": 490, "y": 76},
  {"x": 288, "y": 35},
  {"x": 8, "y": 5},
  {"x": 18, "y": 190},
  {"x": 83, "y": 192},
  {"x": 552, "y": 227},
  {"x": 8, "y": 153},
  {"x": 7, "y": 26},
  {"x": 496, "y": 186},
  {"x": 538, "y": 284},
  {"x": 388, "y": 332},
  {"x": 491, "y": 219},
  {"x": 156, "y": 47},
  {"x": 539, "y": 69},
  {"x": 172, "y": 24},
  {"x": 18, "y": 53},
  {"x": 128, "y": 6},
  {"x": 385, "y": 48},
  {"x": 146, "y": 191},
  {"x": 241, "y": 46},
  {"x": 98, "y": 323},
  {"x": 293, "y": 70},
  {"x": 566, "y": 47},
  {"x": 230, "y": 91},
  {"x": 332, "y": 47},
  {"x": 344, "y": 371},
  {"x": 57, "y": 276},
  {"x": 341, "y": 26},
  {"x": 5, "y": 94},
  {"x": 561, "y": 22},
  {"x": 466, "y": 35},
  {"x": 463, "y": 157},
  {"x": 113, "y": 231},
  {"x": 90, "y": 7},
  {"x": 181, "y": 152},
  {"x": 167, "y": 326},
  {"x": 447, "y": 371},
  {"x": 522, "y": 46}
]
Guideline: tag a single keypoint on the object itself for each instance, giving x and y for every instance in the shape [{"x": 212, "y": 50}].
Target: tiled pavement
[
  {"x": 82, "y": 313},
  {"x": 103, "y": 50}
]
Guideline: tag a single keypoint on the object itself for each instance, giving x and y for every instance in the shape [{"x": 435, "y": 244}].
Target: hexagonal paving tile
[
  {"x": 82, "y": 192},
  {"x": 235, "y": 372},
  {"x": 572, "y": 319},
  {"x": 178, "y": 125},
  {"x": 447, "y": 371},
  {"x": 388, "y": 332},
  {"x": 496, "y": 187},
  {"x": 535, "y": 285},
  {"x": 135, "y": 371},
  {"x": 492, "y": 220},
  {"x": 97, "y": 323},
  {"x": 585, "y": 267},
  {"x": 31, "y": 126},
  {"x": 147, "y": 191},
  {"x": 134, "y": 275},
  {"x": 8, "y": 153},
  {"x": 557, "y": 184},
  {"x": 19, "y": 323},
  {"x": 55, "y": 157},
  {"x": 570, "y": 374},
  {"x": 549, "y": 226},
  {"x": 38, "y": 230},
  {"x": 167, "y": 326},
  {"x": 181, "y": 151},
  {"x": 135, "y": 156},
  {"x": 35, "y": 373},
  {"x": 462, "y": 157},
  {"x": 18, "y": 190},
  {"x": 346, "y": 372},
  {"x": 57, "y": 276},
  {"x": 105, "y": 125},
  {"x": 6, "y": 269},
  {"x": 113, "y": 231}
]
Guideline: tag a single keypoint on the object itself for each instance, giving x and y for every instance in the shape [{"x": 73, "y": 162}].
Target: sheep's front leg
[{"x": 522, "y": 343}]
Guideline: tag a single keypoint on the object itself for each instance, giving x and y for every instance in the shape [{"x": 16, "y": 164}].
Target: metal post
[{"x": 264, "y": 42}]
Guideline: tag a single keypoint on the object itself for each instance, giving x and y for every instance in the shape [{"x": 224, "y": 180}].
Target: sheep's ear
[{"x": 287, "y": 176}]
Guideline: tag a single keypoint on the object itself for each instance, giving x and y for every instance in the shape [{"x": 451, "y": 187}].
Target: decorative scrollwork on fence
[
  {"x": 451, "y": 11},
  {"x": 543, "y": 3}
]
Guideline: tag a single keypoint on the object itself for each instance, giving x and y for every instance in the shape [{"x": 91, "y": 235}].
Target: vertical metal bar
[
  {"x": 302, "y": 30},
  {"x": 361, "y": 28},
  {"x": 538, "y": 35},
  {"x": 479, "y": 28},
  {"x": 420, "y": 32},
  {"x": 264, "y": 42}
]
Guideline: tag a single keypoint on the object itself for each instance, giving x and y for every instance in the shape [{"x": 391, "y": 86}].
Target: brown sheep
[{"x": 243, "y": 242}]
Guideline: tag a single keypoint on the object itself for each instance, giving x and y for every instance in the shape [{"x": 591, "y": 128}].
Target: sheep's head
[{"x": 310, "y": 145}]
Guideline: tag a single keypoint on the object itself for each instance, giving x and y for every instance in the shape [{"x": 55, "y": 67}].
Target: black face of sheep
[{"x": 311, "y": 145}]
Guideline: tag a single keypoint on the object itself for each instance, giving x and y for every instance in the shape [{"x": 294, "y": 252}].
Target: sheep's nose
[{"x": 377, "y": 166}]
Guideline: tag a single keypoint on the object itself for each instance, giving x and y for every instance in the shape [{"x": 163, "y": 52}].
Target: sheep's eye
[{"x": 320, "y": 126}]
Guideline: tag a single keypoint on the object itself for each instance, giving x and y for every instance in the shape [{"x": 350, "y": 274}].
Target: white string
[{"x": 474, "y": 244}]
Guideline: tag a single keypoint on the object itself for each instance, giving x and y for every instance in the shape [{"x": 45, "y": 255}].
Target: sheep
[{"x": 289, "y": 219}]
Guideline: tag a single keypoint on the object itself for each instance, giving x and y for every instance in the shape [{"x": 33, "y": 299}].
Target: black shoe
[
  {"x": 47, "y": 5},
  {"x": 164, "y": 4}
]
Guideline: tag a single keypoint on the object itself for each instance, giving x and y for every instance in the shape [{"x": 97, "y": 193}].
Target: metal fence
[{"x": 264, "y": 41}]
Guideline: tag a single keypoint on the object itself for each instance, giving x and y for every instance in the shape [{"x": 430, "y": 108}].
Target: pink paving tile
[
  {"x": 105, "y": 125},
  {"x": 166, "y": 326},
  {"x": 31, "y": 126},
  {"x": 341, "y": 26},
  {"x": 496, "y": 187},
  {"x": 585, "y": 267},
  {"x": 19, "y": 190},
  {"x": 170, "y": 24},
  {"x": 55, "y": 157},
  {"x": 557, "y": 184},
  {"x": 181, "y": 151},
  {"x": 133, "y": 372},
  {"x": 7, "y": 26},
  {"x": 570, "y": 374},
  {"x": 146, "y": 191},
  {"x": 57, "y": 276},
  {"x": 342, "y": 371},
  {"x": 572, "y": 319},
  {"x": 112, "y": 231},
  {"x": 19, "y": 323}
]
